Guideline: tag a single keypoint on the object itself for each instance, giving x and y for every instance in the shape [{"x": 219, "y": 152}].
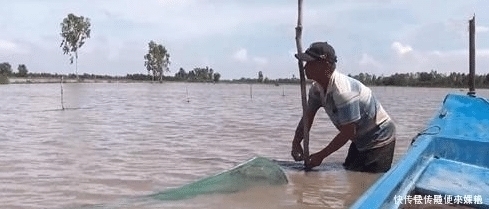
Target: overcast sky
[{"x": 240, "y": 38}]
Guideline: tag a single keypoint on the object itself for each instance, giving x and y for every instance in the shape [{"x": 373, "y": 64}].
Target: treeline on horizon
[
  {"x": 75, "y": 30},
  {"x": 206, "y": 74},
  {"x": 424, "y": 79}
]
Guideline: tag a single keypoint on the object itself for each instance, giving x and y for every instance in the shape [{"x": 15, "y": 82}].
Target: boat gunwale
[{"x": 401, "y": 179}]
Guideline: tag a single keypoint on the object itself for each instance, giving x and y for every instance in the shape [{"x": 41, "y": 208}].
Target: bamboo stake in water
[
  {"x": 186, "y": 89},
  {"x": 62, "y": 103},
  {"x": 283, "y": 91},
  {"x": 251, "y": 91},
  {"x": 305, "y": 119},
  {"x": 472, "y": 56}
]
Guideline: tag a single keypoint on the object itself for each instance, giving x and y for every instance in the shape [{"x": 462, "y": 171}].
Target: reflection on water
[{"x": 119, "y": 141}]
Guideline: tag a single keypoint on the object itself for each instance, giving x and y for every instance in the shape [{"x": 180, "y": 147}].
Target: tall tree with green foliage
[
  {"x": 260, "y": 77},
  {"x": 22, "y": 70},
  {"x": 5, "y": 72},
  {"x": 216, "y": 78},
  {"x": 5, "y": 69},
  {"x": 181, "y": 75},
  {"x": 74, "y": 31},
  {"x": 157, "y": 60}
]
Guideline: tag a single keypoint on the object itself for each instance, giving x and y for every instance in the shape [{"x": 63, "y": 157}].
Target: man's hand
[
  {"x": 315, "y": 160},
  {"x": 347, "y": 132},
  {"x": 297, "y": 152}
]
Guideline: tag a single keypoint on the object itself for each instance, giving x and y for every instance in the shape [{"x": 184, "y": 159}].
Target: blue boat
[{"x": 447, "y": 164}]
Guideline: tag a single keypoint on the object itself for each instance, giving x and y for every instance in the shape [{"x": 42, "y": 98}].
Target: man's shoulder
[
  {"x": 347, "y": 89},
  {"x": 346, "y": 84},
  {"x": 345, "y": 79},
  {"x": 341, "y": 84}
]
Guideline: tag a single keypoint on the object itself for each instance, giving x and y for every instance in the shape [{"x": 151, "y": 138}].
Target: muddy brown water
[{"x": 118, "y": 141}]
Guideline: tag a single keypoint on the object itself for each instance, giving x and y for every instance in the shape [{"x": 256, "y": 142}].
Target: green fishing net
[{"x": 254, "y": 172}]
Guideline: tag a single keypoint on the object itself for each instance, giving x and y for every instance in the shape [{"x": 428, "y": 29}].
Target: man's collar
[
  {"x": 331, "y": 81},
  {"x": 330, "y": 84}
]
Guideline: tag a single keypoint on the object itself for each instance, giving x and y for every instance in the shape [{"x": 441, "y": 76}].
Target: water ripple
[{"x": 120, "y": 141}]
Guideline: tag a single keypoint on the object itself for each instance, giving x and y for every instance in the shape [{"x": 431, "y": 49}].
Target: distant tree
[
  {"x": 260, "y": 77},
  {"x": 157, "y": 60},
  {"x": 74, "y": 30},
  {"x": 368, "y": 79},
  {"x": 202, "y": 74},
  {"x": 211, "y": 74},
  {"x": 425, "y": 77},
  {"x": 141, "y": 77},
  {"x": 361, "y": 77},
  {"x": 191, "y": 75},
  {"x": 22, "y": 70},
  {"x": 374, "y": 78},
  {"x": 5, "y": 69},
  {"x": 181, "y": 75},
  {"x": 217, "y": 76}
]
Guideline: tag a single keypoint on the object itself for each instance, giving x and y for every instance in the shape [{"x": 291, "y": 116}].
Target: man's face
[{"x": 316, "y": 70}]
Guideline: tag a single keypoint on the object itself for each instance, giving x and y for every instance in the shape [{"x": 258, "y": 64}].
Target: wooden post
[
  {"x": 298, "y": 36},
  {"x": 251, "y": 91},
  {"x": 62, "y": 103},
  {"x": 472, "y": 56},
  {"x": 188, "y": 99}
]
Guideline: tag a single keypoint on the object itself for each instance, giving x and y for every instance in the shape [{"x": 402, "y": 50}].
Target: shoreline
[
  {"x": 17, "y": 80},
  {"x": 68, "y": 80},
  {"x": 123, "y": 80}
]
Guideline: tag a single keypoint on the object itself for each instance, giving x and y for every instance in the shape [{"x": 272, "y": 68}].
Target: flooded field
[{"x": 116, "y": 142}]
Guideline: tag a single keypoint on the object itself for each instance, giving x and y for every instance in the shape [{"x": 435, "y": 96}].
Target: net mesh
[{"x": 254, "y": 172}]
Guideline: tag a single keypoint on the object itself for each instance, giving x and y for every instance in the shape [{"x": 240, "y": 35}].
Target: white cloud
[
  {"x": 444, "y": 61},
  {"x": 114, "y": 50},
  {"x": 368, "y": 60},
  {"x": 484, "y": 53},
  {"x": 462, "y": 53},
  {"x": 241, "y": 55},
  {"x": 8, "y": 47},
  {"x": 481, "y": 29},
  {"x": 400, "y": 48},
  {"x": 260, "y": 60},
  {"x": 173, "y": 3}
]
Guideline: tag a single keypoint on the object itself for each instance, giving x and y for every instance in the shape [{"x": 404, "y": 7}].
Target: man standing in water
[{"x": 352, "y": 108}]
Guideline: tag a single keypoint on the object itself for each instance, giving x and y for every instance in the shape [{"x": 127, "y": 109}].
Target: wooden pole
[
  {"x": 472, "y": 56},
  {"x": 251, "y": 91},
  {"x": 62, "y": 103},
  {"x": 298, "y": 36},
  {"x": 188, "y": 99}
]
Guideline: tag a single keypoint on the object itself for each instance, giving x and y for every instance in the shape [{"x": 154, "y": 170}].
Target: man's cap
[{"x": 318, "y": 51}]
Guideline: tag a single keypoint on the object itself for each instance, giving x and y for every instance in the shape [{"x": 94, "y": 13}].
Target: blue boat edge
[{"x": 456, "y": 137}]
